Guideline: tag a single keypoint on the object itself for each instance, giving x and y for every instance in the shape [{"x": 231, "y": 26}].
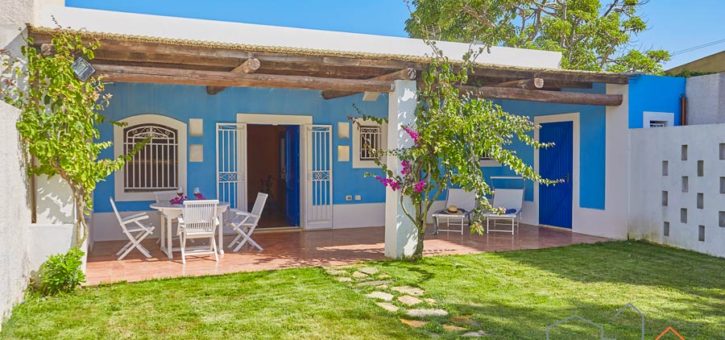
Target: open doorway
[{"x": 273, "y": 167}]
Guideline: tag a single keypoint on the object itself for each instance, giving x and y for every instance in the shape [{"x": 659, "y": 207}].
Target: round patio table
[{"x": 170, "y": 211}]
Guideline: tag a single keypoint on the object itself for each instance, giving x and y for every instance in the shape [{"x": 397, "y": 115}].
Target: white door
[
  {"x": 318, "y": 176},
  {"x": 231, "y": 158}
]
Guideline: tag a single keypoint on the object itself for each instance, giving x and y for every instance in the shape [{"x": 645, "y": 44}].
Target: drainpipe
[{"x": 683, "y": 110}]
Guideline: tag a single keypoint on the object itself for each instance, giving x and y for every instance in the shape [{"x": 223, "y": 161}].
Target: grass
[{"x": 508, "y": 295}]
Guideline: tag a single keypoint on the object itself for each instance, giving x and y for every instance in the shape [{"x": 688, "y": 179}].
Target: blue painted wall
[
  {"x": 184, "y": 102},
  {"x": 592, "y": 132},
  {"x": 656, "y": 94}
]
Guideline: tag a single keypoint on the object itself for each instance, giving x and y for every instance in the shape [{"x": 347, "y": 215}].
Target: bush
[{"x": 61, "y": 273}]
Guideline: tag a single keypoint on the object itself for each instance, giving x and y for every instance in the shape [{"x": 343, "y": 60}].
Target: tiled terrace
[{"x": 310, "y": 248}]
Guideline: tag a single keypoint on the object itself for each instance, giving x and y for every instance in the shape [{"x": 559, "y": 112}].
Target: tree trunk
[{"x": 418, "y": 254}]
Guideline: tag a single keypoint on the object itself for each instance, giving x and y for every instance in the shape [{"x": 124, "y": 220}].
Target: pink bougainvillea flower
[
  {"x": 406, "y": 167},
  {"x": 419, "y": 186},
  {"x": 412, "y": 133},
  {"x": 394, "y": 185}
]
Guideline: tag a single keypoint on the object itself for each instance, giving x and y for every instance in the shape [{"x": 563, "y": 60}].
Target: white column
[{"x": 400, "y": 233}]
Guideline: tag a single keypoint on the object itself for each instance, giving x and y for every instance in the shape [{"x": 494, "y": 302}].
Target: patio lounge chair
[
  {"x": 510, "y": 200},
  {"x": 244, "y": 223},
  {"x": 198, "y": 221},
  {"x": 462, "y": 199},
  {"x": 135, "y": 234}
]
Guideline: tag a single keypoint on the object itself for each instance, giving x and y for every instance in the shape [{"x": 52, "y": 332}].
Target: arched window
[
  {"x": 158, "y": 165},
  {"x": 155, "y": 166}
]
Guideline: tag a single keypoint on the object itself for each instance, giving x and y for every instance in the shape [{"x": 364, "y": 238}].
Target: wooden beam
[
  {"x": 530, "y": 84},
  {"x": 404, "y": 74},
  {"x": 250, "y": 65},
  {"x": 543, "y": 96},
  {"x": 136, "y": 74}
]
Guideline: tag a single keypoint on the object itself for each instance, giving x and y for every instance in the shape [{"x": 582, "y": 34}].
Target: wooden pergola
[{"x": 123, "y": 58}]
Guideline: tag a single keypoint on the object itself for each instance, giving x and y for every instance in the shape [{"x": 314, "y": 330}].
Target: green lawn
[{"x": 507, "y": 295}]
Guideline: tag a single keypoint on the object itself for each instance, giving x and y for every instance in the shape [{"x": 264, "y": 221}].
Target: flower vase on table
[{"x": 180, "y": 197}]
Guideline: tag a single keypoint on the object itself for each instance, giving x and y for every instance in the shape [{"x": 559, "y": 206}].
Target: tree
[
  {"x": 590, "y": 35},
  {"x": 59, "y": 118},
  {"x": 453, "y": 131}
]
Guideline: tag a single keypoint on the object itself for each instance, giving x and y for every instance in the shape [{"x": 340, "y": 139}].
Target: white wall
[{"x": 646, "y": 212}]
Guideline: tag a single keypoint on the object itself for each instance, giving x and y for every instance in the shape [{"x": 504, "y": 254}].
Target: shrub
[{"x": 61, "y": 273}]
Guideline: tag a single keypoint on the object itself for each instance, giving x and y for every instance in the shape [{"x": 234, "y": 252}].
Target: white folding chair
[
  {"x": 135, "y": 234},
  {"x": 462, "y": 199},
  {"x": 510, "y": 201},
  {"x": 244, "y": 224},
  {"x": 198, "y": 221}
]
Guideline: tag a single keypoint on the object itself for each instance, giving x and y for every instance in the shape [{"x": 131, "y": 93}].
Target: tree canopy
[{"x": 592, "y": 35}]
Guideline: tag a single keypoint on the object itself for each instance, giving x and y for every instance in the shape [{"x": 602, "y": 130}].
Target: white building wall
[{"x": 647, "y": 211}]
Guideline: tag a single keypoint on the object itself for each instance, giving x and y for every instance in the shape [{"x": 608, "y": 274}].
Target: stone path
[{"x": 404, "y": 300}]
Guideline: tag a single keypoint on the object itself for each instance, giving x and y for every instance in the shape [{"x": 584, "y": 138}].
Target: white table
[
  {"x": 171, "y": 211},
  {"x": 459, "y": 218}
]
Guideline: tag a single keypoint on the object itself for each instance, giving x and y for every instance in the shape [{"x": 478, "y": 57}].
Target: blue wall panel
[
  {"x": 656, "y": 94},
  {"x": 184, "y": 102}
]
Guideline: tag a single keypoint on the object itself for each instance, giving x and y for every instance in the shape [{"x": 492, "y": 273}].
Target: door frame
[
  {"x": 274, "y": 119},
  {"x": 563, "y": 117}
]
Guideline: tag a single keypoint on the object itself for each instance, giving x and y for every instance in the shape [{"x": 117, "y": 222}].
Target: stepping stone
[
  {"x": 414, "y": 323},
  {"x": 409, "y": 300},
  {"x": 466, "y": 320},
  {"x": 359, "y": 275},
  {"x": 380, "y": 296},
  {"x": 369, "y": 270},
  {"x": 382, "y": 287},
  {"x": 388, "y": 306},
  {"x": 335, "y": 272},
  {"x": 372, "y": 283},
  {"x": 383, "y": 276},
  {"x": 453, "y": 328},
  {"x": 409, "y": 290},
  {"x": 476, "y": 334},
  {"x": 430, "y": 301},
  {"x": 344, "y": 279},
  {"x": 426, "y": 312}
]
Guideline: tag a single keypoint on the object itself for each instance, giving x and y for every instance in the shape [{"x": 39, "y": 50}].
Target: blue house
[{"x": 232, "y": 109}]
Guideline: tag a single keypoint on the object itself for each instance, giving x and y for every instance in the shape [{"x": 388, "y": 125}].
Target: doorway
[
  {"x": 556, "y": 162},
  {"x": 273, "y": 167}
]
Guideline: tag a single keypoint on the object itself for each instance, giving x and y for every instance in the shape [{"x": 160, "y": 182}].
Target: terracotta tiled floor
[{"x": 310, "y": 248}]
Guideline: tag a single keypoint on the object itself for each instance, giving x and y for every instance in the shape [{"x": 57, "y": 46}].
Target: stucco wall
[
  {"x": 648, "y": 184},
  {"x": 706, "y": 99},
  {"x": 14, "y": 214},
  {"x": 649, "y": 93}
]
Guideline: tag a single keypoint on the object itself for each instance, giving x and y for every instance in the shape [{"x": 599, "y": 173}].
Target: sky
[{"x": 674, "y": 25}]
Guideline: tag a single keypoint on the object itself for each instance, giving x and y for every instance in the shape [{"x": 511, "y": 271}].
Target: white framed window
[
  {"x": 488, "y": 161},
  {"x": 160, "y": 165},
  {"x": 367, "y": 137},
  {"x": 657, "y": 119}
]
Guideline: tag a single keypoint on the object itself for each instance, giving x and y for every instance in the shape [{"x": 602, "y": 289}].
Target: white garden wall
[{"x": 665, "y": 210}]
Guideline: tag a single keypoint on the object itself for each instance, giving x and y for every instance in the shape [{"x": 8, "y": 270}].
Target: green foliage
[
  {"x": 59, "y": 119},
  {"x": 61, "y": 273},
  {"x": 453, "y": 132},
  {"x": 591, "y": 35}
]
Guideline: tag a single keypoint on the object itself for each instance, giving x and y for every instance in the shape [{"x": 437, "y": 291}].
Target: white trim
[
  {"x": 270, "y": 119},
  {"x": 119, "y": 194},
  {"x": 357, "y": 163},
  {"x": 649, "y": 116},
  {"x": 564, "y": 117}
]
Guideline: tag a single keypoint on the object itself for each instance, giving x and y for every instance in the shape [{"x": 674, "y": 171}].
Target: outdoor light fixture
[{"x": 83, "y": 69}]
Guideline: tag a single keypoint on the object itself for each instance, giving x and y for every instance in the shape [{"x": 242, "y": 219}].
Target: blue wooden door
[
  {"x": 555, "y": 201},
  {"x": 292, "y": 175}
]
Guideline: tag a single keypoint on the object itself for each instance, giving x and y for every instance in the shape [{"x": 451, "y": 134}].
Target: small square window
[
  {"x": 700, "y": 168},
  {"x": 665, "y": 168},
  {"x": 701, "y": 233},
  {"x": 683, "y": 215},
  {"x": 722, "y": 151},
  {"x": 664, "y": 198},
  {"x": 683, "y": 152},
  {"x": 666, "y": 229},
  {"x": 722, "y": 185},
  {"x": 721, "y": 218},
  {"x": 685, "y": 184},
  {"x": 700, "y": 200}
]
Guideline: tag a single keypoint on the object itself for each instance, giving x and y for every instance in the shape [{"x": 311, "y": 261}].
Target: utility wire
[{"x": 694, "y": 48}]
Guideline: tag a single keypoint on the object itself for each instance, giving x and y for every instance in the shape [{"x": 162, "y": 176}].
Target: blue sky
[{"x": 675, "y": 25}]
